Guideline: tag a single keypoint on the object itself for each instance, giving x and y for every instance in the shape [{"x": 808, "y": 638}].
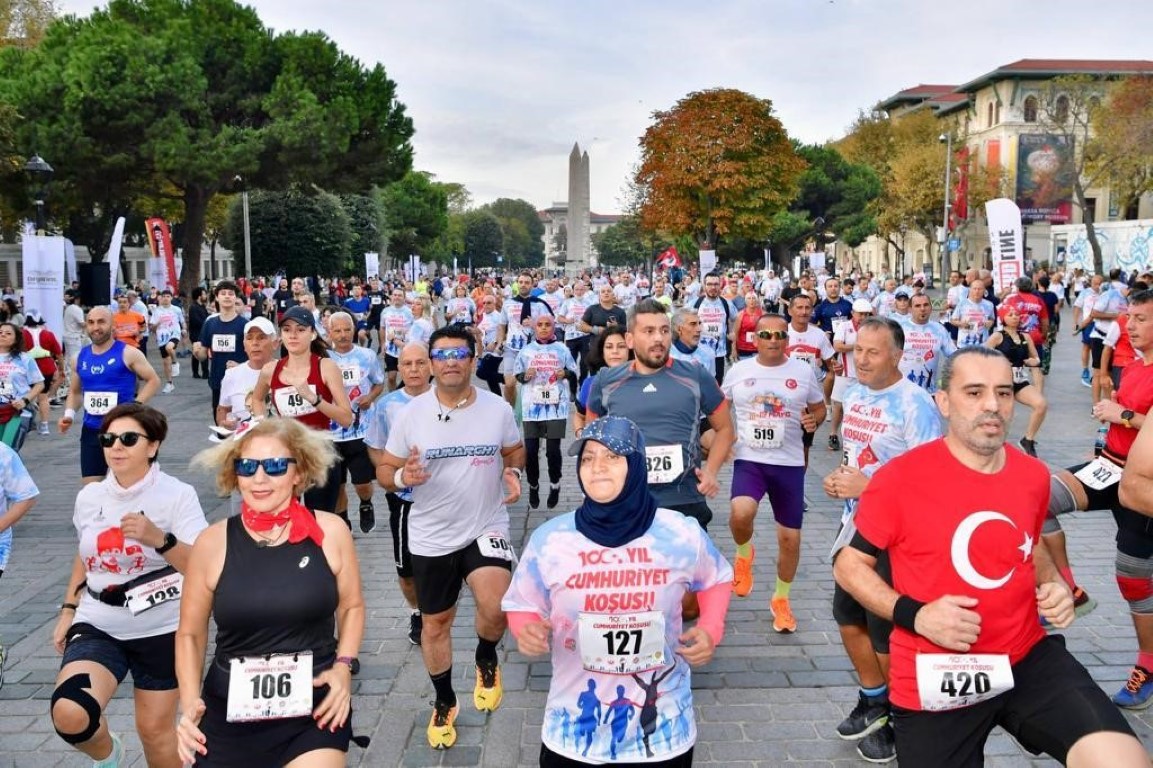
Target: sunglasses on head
[
  {"x": 272, "y": 467},
  {"x": 450, "y": 353},
  {"x": 128, "y": 439},
  {"x": 775, "y": 335}
]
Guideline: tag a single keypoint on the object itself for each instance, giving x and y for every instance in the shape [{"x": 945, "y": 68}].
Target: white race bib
[
  {"x": 350, "y": 375},
  {"x": 544, "y": 394},
  {"x": 763, "y": 433},
  {"x": 99, "y": 403},
  {"x": 665, "y": 463},
  {"x": 1021, "y": 375},
  {"x": 837, "y": 322},
  {"x": 1099, "y": 474},
  {"x": 7, "y": 390},
  {"x": 750, "y": 337},
  {"x": 946, "y": 681},
  {"x": 146, "y": 596},
  {"x": 622, "y": 644},
  {"x": 223, "y": 342},
  {"x": 805, "y": 357},
  {"x": 290, "y": 403},
  {"x": 495, "y": 545},
  {"x": 375, "y": 301},
  {"x": 270, "y": 688},
  {"x": 711, "y": 330}
]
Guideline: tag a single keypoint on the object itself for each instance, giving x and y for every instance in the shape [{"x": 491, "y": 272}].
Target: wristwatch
[
  {"x": 169, "y": 543},
  {"x": 1126, "y": 418}
]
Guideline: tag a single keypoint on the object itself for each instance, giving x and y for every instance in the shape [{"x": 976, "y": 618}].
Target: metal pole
[
  {"x": 945, "y": 215},
  {"x": 247, "y": 237}
]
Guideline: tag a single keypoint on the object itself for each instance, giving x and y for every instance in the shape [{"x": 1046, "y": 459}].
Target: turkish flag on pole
[{"x": 669, "y": 258}]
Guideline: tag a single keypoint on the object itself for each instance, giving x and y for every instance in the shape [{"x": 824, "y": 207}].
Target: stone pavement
[{"x": 765, "y": 700}]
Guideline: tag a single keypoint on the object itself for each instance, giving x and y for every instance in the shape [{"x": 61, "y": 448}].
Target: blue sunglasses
[
  {"x": 450, "y": 353},
  {"x": 272, "y": 467}
]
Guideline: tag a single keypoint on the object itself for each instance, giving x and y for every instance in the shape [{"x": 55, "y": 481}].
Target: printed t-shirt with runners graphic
[
  {"x": 810, "y": 346},
  {"x": 586, "y": 592},
  {"x": 977, "y": 542},
  {"x": 767, "y": 405}
]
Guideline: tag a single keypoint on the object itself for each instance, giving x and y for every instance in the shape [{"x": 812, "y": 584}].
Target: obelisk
[{"x": 579, "y": 241}]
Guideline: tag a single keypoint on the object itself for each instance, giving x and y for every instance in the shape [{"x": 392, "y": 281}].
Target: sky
[{"x": 499, "y": 90}]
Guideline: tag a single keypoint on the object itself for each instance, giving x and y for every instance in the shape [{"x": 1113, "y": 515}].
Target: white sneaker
[
  {"x": 43, "y": 428},
  {"x": 168, "y": 388},
  {"x": 115, "y": 758},
  {"x": 175, "y": 368}
]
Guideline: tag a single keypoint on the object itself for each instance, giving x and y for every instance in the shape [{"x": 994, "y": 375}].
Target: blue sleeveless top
[{"x": 106, "y": 382}]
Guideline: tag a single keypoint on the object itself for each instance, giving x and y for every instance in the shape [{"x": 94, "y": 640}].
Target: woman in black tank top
[
  {"x": 284, "y": 588},
  {"x": 1022, "y": 355}
]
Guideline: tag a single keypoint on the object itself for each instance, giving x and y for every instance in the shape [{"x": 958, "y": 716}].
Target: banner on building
[
  {"x": 1045, "y": 176},
  {"x": 708, "y": 261},
  {"x": 43, "y": 287},
  {"x": 1005, "y": 241},
  {"x": 161, "y": 243},
  {"x": 372, "y": 265}
]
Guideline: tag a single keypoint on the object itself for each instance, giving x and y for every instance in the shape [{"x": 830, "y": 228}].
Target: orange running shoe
[
  {"x": 783, "y": 619},
  {"x": 743, "y": 574}
]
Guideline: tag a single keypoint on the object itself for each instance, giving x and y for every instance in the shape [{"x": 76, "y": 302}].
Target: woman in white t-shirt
[{"x": 136, "y": 530}]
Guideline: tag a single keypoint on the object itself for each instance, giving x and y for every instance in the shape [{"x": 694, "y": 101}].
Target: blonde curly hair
[{"x": 312, "y": 449}]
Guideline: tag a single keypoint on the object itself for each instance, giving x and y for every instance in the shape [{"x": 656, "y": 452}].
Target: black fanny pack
[{"x": 116, "y": 594}]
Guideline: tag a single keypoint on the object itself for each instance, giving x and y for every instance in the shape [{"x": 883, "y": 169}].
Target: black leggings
[
  {"x": 532, "y": 459},
  {"x": 579, "y": 348}
]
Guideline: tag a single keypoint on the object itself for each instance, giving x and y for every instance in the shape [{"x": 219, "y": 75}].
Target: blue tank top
[{"x": 106, "y": 382}]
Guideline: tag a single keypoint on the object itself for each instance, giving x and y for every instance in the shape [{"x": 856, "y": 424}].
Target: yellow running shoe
[
  {"x": 743, "y": 574},
  {"x": 487, "y": 694},
  {"x": 783, "y": 619},
  {"x": 441, "y": 728}
]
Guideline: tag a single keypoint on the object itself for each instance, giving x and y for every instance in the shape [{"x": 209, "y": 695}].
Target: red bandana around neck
[{"x": 302, "y": 523}]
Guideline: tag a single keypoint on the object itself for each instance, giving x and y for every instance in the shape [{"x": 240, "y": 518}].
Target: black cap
[{"x": 299, "y": 315}]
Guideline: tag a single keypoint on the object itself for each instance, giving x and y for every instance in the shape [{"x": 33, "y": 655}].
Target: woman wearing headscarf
[{"x": 600, "y": 588}]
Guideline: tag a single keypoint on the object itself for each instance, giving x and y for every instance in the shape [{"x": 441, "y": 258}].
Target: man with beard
[
  {"x": 718, "y": 316},
  {"x": 967, "y": 584},
  {"x": 668, "y": 399},
  {"x": 106, "y": 374}
]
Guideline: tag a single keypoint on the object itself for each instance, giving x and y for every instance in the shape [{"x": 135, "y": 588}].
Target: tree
[
  {"x": 483, "y": 238},
  {"x": 1122, "y": 148},
  {"x": 625, "y": 243},
  {"x": 22, "y": 22},
  {"x": 367, "y": 225},
  {"x": 523, "y": 231},
  {"x": 193, "y": 94},
  {"x": 417, "y": 212},
  {"x": 717, "y": 164},
  {"x": 299, "y": 232}
]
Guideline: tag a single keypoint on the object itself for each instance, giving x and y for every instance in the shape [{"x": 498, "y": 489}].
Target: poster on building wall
[
  {"x": 1045, "y": 175},
  {"x": 708, "y": 261},
  {"x": 1005, "y": 241}
]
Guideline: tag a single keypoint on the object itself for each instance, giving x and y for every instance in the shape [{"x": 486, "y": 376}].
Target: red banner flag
[
  {"x": 669, "y": 258},
  {"x": 161, "y": 243}
]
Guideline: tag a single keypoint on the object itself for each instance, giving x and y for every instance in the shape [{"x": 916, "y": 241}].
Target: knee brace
[
  {"x": 73, "y": 690},
  {"x": 1135, "y": 580}
]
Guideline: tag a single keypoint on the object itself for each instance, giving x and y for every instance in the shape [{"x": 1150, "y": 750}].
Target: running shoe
[
  {"x": 43, "y": 429},
  {"x": 367, "y": 516},
  {"x": 1086, "y": 378},
  {"x": 487, "y": 694},
  {"x": 415, "y": 627},
  {"x": 880, "y": 746},
  {"x": 115, "y": 757},
  {"x": 441, "y": 728},
  {"x": 783, "y": 619},
  {"x": 534, "y": 497},
  {"x": 834, "y": 443},
  {"x": 1028, "y": 446},
  {"x": 743, "y": 568},
  {"x": 1138, "y": 690},
  {"x": 553, "y": 496},
  {"x": 1083, "y": 605},
  {"x": 169, "y": 388},
  {"x": 869, "y": 715},
  {"x": 1, "y": 666}
]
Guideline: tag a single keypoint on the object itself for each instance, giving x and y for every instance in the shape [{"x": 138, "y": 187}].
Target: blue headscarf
[{"x": 630, "y": 514}]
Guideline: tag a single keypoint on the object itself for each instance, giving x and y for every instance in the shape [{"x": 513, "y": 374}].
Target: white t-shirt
[
  {"x": 809, "y": 346},
  {"x": 626, "y": 294},
  {"x": 464, "y": 496},
  {"x": 110, "y": 559},
  {"x": 846, "y": 333},
  {"x": 235, "y": 387},
  {"x": 767, "y": 405}
]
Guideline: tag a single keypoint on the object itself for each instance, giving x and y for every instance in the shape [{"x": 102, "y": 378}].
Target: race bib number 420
[
  {"x": 947, "y": 681},
  {"x": 665, "y": 463},
  {"x": 622, "y": 644},
  {"x": 270, "y": 688}
]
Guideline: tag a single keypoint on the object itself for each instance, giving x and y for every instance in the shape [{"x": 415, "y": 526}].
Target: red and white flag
[
  {"x": 161, "y": 243},
  {"x": 669, "y": 258}
]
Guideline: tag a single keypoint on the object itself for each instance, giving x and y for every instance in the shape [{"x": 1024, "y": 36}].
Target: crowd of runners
[{"x": 950, "y": 563}]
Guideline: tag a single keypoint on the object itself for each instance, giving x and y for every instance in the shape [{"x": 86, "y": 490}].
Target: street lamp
[
  {"x": 41, "y": 173},
  {"x": 947, "y": 140},
  {"x": 247, "y": 231}
]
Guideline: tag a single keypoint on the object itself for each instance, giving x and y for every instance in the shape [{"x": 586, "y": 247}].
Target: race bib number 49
[
  {"x": 292, "y": 404},
  {"x": 622, "y": 644},
  {"x": 270, "y": 688},
  {"x": 947, "y": 681},
  {"x": 665, "y": 463}
]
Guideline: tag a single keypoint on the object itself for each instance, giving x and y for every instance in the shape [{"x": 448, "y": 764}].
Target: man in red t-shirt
[
  {"x": 1034, "y": 314},
  {"x": 43, "y": 347},
  {"x": 968, "y": 582}
]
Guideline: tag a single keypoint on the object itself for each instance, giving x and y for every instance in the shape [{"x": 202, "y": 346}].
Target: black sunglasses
[
  {"x": 272, "y": 467},
  {"x": 128, "y": 439}
]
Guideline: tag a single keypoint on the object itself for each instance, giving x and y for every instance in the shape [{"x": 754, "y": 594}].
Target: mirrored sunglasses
[
  {"x": 450, "y": 353},
  {"x": 772, "y": 335},
  {"x": 272, "y": 467}
]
